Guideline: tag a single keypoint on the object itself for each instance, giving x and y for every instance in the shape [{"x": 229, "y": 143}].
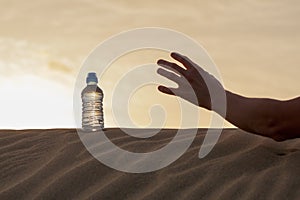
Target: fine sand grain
[{"x": 54, "y": 164}]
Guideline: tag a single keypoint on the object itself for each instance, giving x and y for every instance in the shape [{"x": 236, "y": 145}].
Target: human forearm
[
  {"x": 267, "y": 117},
  {"x": 256, "y": 115}
]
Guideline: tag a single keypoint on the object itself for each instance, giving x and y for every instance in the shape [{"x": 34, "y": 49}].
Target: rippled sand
[{"x": 53, "y": 164}]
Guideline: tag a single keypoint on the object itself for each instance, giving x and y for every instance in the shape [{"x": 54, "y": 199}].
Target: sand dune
[{"x": 54, "y": 164}]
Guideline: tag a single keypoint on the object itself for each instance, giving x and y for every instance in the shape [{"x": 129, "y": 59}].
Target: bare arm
[
  {"x": 272, "y": 118},
  {"x": 279, "y": 120}
]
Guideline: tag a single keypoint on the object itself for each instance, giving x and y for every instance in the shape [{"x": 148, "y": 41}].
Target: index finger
[
  {"x": 171, "y": 66},
  {"x": 187, "y": 63}
]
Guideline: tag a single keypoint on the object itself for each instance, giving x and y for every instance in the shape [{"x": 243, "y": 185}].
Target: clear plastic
[{"x": 92, "y": 108}]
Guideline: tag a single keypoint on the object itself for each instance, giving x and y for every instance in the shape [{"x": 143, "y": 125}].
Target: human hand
[{"x": 192, "y": 77}]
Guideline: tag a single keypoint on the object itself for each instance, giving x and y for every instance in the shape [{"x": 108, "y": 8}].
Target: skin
[{"x": 276, "y": 119}]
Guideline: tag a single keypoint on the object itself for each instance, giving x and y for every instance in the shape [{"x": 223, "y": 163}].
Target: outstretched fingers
[
  {"x": 168, "y": 75},
  {"x": 166, "y": 90},
  {"x": 187, "y": 63},
  {"x": 171, "y": 66}
]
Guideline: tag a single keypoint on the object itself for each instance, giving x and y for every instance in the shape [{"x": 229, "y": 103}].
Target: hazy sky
[{"x": 255, "y": 45}]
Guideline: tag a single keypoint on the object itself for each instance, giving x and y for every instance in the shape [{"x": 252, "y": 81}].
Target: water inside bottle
[{"x": 92, "y": 108}]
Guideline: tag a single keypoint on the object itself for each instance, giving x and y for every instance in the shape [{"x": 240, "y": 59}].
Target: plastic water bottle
[{"x": 92, "y": 107}]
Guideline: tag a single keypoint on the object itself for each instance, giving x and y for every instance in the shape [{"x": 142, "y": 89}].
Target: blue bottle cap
[{"x": 92, "y": 77}]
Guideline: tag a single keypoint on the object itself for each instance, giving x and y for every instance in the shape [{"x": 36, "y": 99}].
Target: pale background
[{"x": 255, "y": 44}]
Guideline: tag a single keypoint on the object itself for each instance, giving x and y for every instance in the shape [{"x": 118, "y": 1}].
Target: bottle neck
[{"x": 92, "y": 83}]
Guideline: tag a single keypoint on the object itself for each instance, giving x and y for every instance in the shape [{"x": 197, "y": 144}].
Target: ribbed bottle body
[{"x": 92, "y": 108}]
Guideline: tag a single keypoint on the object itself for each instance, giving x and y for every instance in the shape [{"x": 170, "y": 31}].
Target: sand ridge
[{"x": 54, "y": 164}]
